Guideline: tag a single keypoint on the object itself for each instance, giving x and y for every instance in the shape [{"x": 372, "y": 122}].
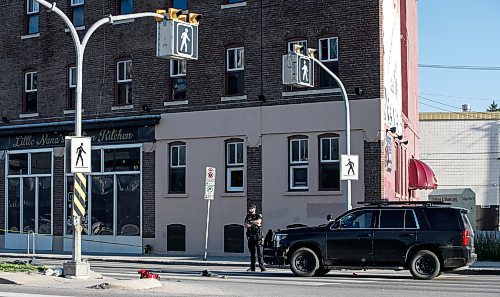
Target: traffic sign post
[
  {"x": 177, "y": 40},
  {"x": 209, "y": 196}
]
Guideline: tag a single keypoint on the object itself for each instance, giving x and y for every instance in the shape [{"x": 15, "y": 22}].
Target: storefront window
[
  {"x": 128, "y": 204},
  {"x": 29, "y": 194},
  {"x": 114, "y": 193}
]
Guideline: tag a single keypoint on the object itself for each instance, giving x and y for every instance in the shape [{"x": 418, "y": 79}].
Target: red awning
[{"x": 421, "y": 176}]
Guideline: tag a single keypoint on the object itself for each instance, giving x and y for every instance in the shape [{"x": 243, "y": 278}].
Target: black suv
[{"x": 425, "y": 238}]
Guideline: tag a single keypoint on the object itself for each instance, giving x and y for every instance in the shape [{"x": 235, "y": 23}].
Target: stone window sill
[
  {"x": 76, "y": 28},
  {"x": 30, "y": 36},
  {"x": 311, "y": 92},
  {"x": 123, "y": 22},
  {"x": 122, "y": 107},
  {"x": 175, "y": 103},
  {"x": 232, "y": 5},
  {"x": 28, "y": 115},
  {"x": 235, "y": 194},
  {"x": 234, "y": 98},
  {"x": 175, "y": 195}
]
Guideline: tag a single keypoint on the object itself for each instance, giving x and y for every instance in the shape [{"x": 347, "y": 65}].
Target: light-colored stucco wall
[
  {"x": 464, "y": 154},
  {"x": 204, "y": 134}
]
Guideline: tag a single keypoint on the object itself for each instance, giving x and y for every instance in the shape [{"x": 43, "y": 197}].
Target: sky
[{"x": 458, "y": 33}]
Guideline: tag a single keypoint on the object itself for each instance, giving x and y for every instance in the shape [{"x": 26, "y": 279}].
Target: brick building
[{"x": 156, "y": 124}]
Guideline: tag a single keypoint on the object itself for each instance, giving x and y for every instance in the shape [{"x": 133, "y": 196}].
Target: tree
[{"x": 493, "y": 107}]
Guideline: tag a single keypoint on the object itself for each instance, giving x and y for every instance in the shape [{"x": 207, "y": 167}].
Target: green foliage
[
  {"x": 6, "y": 267},
  {"x": 487, "y": 247},
  {"x": 493, "y": 107}
]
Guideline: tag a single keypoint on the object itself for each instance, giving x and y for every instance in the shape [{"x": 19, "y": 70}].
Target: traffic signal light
[
  {"x": 162, "y": 12},
  {"x": 174, "y": 14},
  {"x": 183, "y": 18},
  {"x": 311, "y": 52},
  {"x": 195, "y": 18}
]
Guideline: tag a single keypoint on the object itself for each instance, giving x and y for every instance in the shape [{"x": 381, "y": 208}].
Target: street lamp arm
[
  {"x": 111, "y": 19},
  {"x": 52, "y": 7}
]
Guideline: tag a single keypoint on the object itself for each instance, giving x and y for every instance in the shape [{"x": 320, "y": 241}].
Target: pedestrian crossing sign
[
  {"x": 177, "y": 40},
  {"x": 80, "y": 152},
  {"x": 349, "y": 167}
]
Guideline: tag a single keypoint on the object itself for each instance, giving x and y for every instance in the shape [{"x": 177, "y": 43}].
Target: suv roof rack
[{"x": 384, "y": 202}]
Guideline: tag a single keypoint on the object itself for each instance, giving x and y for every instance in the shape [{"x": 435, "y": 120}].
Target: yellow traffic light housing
[
  {"x": 162, "y": 12},
  {"x": 174, "y": 14},
  {"x": 311, "y": 52},
  {"x": 195, "y": 18},
  {"x": 183, "y": 18}
]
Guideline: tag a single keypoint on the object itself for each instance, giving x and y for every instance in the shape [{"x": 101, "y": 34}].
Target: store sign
[
  {"x": 388, "y": 153},
  {"x": 54, "y": 139}
]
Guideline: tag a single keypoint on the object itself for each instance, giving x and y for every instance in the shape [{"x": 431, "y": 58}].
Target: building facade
[
  {"x": 463, "y": 149},
  {"x": 162, "y": 122}
]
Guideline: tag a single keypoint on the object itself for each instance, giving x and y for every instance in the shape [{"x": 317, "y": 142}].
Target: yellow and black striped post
[{"x": 80, "y": 195}]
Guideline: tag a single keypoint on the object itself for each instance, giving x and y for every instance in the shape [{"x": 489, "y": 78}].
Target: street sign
[
  {"x": 80, "y": 154},
  {"x": 177, "y": 40},
  {"x": 209, "y": 183},
  {"x": 297, "y": 70},
  {"x": 349, "y": 167}
]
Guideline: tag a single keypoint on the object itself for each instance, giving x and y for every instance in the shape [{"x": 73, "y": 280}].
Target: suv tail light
[{"x": 465, "y": 237}]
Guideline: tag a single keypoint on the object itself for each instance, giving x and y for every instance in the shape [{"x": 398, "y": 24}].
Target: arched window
[
  {"x": 234, "y": 238},
  {"x": 176, "y": 238}
]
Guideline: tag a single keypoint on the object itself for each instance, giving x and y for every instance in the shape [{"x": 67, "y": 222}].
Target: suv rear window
[
  {"x": 442, "y": 219},
  {"x": 392, "y": 218}
]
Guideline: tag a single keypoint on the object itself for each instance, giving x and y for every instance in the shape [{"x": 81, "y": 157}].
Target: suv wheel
[
  {"x": 425, "y": 265},
  {"x": 304, "y": 262},
  {"x": 321, "y": 271}
]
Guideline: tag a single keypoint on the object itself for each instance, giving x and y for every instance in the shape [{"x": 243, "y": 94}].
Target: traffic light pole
[
  {"x": 347, "y": 124},
  {"x": 77, "y": 268}
]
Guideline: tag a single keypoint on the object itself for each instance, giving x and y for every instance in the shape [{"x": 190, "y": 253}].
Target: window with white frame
[
  {"x": 32, "y": 13},
  {"x": 29, "y": 192},
  {"x": 235, "y": 71},
  {"x": 124, "y": 82},
  {"x": 298, "y": 163},
  {"x": 177, "y": 172},
  {"x": 114, "y": 196},
  {"x": 71, "y": 88},
  {"x": 302, "y": 43},
  {"x": 329, "y": 166},
  {"x": 235, "y": 165},
  {"x": 77, "y": 12},
  {"x": 178, "y": 81},
  {"x": 126, "y": 6},
  {"x": 329, "y": 55},
  {"x": 30, "y": 92}
]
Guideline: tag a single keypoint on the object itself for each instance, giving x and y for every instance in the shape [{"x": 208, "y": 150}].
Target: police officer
[{"x": 253, "y": 224}]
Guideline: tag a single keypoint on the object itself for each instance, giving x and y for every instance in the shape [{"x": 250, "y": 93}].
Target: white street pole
[
  {"x": 80, "y": 49},
  {"x": 206, "y": 232},
  {"x": 347, "y": 124}
]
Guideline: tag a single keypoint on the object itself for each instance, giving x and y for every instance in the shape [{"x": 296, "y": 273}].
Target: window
[
  {"x": 180, "y": 4},
  {"x": 126, "y": 6},
  {"x": 410, "y": 219},
  {"x": 176, "y": 238},
  {"x": 178, "y": 81},
  {"x": 235, "y": 71},
  {"x": 392, "y": 218},
  {"x": 124, "y": 82},
  {"x": 77, "y": 12},
  {"x": 442, "y": 219},
  {"x": 303, "y": 43},
  {"x": 71, "y": 88},
  {"x": 32, "y": 11},
  {"x": 30, "y": 92},
  {"x": 234, "y": 239},
  {"x": 328, "y": 54},
  {"x": 299, "y": 164},
  {"x": 177, "y": 174},
  {"x": 234, "y": 166},
  {"x": 29, "y": 192},
  {"x": 235, "y": 1},
  {"x": 114, "y": 198},
  {"x": 329, "y": 168},
  {"x": 362, "y": 219}
]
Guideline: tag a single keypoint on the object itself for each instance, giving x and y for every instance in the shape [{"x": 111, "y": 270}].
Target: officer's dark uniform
[{"x": 254, "y": 237}]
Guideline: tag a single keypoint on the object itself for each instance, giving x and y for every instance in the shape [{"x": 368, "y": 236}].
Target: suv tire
[
  {"x": 304, "y": 262},
  {"x": 425, "y": 265},
  {"x": 321, "y": 271}
]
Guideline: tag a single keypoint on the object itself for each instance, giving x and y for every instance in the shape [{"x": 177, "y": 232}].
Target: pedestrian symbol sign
[
  {"x": 349, "y": 167},
  {"x": 80, "y": 154},
  {"x": 305, "y": 71},
  {"x": 177, "y": 40}
]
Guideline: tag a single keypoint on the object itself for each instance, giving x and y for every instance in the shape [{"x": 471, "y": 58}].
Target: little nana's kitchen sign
[{"x": 51, "y": 139}]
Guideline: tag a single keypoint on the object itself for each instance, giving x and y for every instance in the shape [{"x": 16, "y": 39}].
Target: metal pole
[
  {"x": 347, "y": 124},
  {"x": 206, "y": 232},
  {"x": 80, "y": 49}
]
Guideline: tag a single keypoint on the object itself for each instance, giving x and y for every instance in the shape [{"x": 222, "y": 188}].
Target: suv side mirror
[{"x": 328, "y": 217}]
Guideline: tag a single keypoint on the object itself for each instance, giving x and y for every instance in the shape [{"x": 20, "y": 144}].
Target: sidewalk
[{"x": 242, "y": 261}]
